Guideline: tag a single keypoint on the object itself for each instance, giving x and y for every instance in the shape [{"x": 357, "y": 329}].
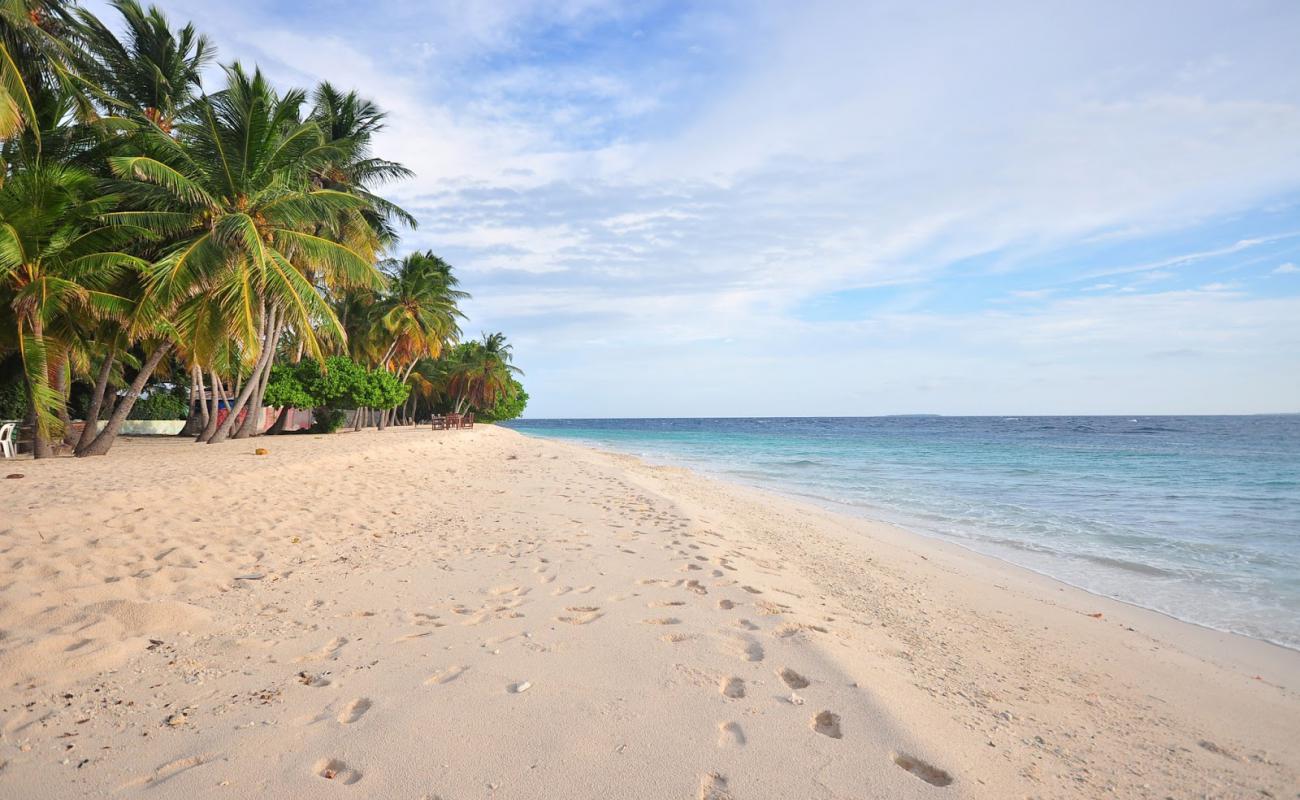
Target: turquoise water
[{"x": 1196, "y": 517}]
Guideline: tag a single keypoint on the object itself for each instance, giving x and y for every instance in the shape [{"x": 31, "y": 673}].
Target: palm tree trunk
[
  {"x": 198, "y": 418},
  {"x": 203, "y": 395},
  {"x": 63, "y": 387},
  {"x": 91, "y": 428},
  {"x": 214, "y": 410},
  {"x": 253, "y": 420},
  {"x": 104, "y": 440},
  {"x": 250, "y": 385},
  {"x": 40, "y": 437}
]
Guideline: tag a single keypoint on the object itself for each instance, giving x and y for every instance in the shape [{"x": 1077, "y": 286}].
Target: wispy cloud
[{"x": 958, "y": 197}]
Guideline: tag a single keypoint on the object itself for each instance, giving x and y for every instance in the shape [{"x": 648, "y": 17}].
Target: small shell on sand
[{"x": 520, "y": 688}]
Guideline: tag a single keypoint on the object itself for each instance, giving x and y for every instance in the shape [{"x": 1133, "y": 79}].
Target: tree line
[{"x": 233, "y": 243}]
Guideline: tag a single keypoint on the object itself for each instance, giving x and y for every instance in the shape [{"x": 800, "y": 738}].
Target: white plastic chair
[{"x": 7, "y": 439}]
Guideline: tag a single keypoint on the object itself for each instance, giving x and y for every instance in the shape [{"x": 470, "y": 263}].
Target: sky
[{"x": 840, "y": 208}]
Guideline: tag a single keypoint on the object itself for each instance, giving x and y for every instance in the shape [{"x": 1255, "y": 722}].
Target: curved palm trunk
[
  {"x": 91, "y": 428},
  {"x": 252, "y": 420},
  {"x": 61, "y": 385},
  {"x": 250, "y": 386},
  {"x": 198, "y": 419},
  {"x": 214, "y": 409},
  {"x": 104, "y": 440},
  {"x": 40, "y": 436}
]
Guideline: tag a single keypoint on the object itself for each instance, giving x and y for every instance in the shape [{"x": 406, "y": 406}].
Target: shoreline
[
  {"x": 879, "y": 516},
  {"x": 416, "y": 614}
]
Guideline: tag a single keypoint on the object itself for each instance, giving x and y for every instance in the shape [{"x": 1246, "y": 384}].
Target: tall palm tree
[
  {"x": 37, "y": 57},
  {"x": 483, "y": 372},
  {"x": 419, "y": 310},
  {"x": 352, "y": 122},
  {"x": 58, "y": 255},
  {"x": 233, "y": 191},
  {"x": 154, "y": 71}
]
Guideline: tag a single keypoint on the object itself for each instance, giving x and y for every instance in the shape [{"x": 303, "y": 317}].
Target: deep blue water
[{"x": 1196, "y": 517}]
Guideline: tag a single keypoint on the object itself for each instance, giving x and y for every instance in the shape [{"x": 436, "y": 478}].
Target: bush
[
  {"x": 285, "y": 388},
  {"x": 13, "y": 400},
  {"x": 160, "y": 404},
  {"x": 379, "y": 389},
  {"x": 509, "y": 405},
  {"x": 328, "y": 420}
]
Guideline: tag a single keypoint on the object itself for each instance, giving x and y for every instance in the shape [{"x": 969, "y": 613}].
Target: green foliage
[
  {"x": 336, "y": 385},
  {"x": 285, "y": 388},
  {"x": 509, "y": 405},
  {"x": 380, "y": 390},
  {"x": 160, "y": 404},
  {"x": 328, "y": 420},
  {"x": 13, "y": 401},
  {"x": 342, "y": 384}
]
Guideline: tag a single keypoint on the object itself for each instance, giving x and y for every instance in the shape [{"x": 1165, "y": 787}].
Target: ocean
[{"x": 1195, "y": 517}]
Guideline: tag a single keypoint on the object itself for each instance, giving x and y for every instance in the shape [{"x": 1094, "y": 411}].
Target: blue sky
[{"x": 758, "y": 208}]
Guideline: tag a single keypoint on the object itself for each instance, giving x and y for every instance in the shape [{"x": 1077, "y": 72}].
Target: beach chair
[
  {"x": 467, "y": 421},
  {"x": 439, "y": 422},
  {"x": 7, "y": 439}
]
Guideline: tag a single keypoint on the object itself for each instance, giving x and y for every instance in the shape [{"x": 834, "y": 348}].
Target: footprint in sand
[
  {"x": 329, "y": 650},
  {"x": 746, "y": 647},
  {"x": 665, "y": 603},
  {"x": 926, "y": 772},
  {"x": 674, "y": 638},
  {"x": 794, "y": 629},
  {"x": 713, "y": 787},
  {"x": 752, "y": 590},
  {"x": 663, "y": 621},
  {"x": 730, "y": 735},
  {"x": 792, "y": 679},
  {"x": 445, "y": 676},
  {"x": 827, "y": 724},
  {"x": 745, "y": 624},
  {"x": 354, "y": 711},
  {"x": 733, "y": 688},
  {"x": 412, "y": 636},
  {"x": 581, "y": 615},
  {"x": 333, "y": 769},
  {"x": 725, "y": 604}
]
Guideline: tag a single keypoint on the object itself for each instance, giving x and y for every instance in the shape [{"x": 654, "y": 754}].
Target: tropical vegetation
[{"x": 229, "y": 250}]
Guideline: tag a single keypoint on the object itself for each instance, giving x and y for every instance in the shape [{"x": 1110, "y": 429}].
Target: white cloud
[
  {"x": 1286, "y": 269},
  {"x": 674, "y": 191}
]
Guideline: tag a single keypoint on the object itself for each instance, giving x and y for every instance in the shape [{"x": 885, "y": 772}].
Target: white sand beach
[{"x": 479, "y": 614}]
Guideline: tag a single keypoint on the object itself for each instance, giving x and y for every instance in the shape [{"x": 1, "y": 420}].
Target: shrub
[
  {"x": 328, "y": 420},
  {"x": 13, "y": 400},
  {"x": 160, "y": 404},
  {"x": 509, "y": 405}
]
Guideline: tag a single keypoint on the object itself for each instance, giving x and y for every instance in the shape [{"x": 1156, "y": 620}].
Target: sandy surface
[{"x": 477, "y": 614}]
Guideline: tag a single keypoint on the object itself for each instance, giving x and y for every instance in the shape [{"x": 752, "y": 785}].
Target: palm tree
[
  {"x": 233, "y": 191},
  {"x": 153, "y": 73},
  {"x": 483, "y": 372},
  {"x": 36, "y": 63},
  {"x": 57, "y": 256},
  {"x": 352, "y": 122},
  {"x": 418, "y": 312}
]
